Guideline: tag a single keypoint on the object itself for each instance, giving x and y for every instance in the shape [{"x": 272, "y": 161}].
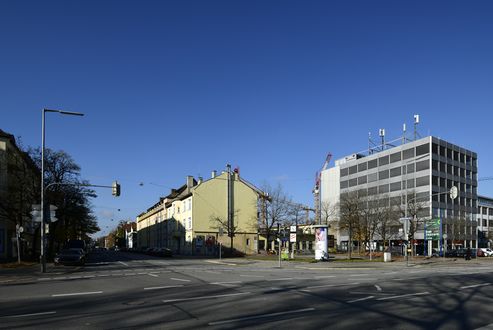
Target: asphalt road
[{"x": 118, "y": 290}]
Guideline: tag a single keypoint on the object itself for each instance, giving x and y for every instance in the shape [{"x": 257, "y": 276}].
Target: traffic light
[
  {"x": 53, "y": 217},
  {"x": 115, "y": 189}
]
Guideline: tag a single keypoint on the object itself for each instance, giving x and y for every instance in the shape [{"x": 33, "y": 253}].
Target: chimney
[
  {"x": 213, "y": 174},
  {"x": 200, "y": 180},
  {"x": 189, "y": 182}
]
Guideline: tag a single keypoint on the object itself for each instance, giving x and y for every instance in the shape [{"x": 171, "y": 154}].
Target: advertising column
[{"x": 321, "y": 242}]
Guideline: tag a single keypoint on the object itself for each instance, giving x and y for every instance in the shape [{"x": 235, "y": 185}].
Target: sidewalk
[{"x": 24, "y": 272}]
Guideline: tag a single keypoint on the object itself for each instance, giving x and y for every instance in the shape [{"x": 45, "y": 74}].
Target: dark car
[
  {"x": 451, "y": 253},
  {"x": 163, "y": 252},
  {"x": 69, "y": 257}
]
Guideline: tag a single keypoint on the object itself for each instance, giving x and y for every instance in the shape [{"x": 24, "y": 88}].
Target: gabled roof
[{"x": 25, "y": 156}]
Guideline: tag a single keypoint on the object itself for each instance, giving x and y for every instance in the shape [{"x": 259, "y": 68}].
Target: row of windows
[
  {"x": 385, "y": 174},
  {"x": 390, "y": 201},
  {"x": 395, "y": 186},
  {"x": 451, "y": 213},
  {"x": 415, "y": 152},
  {"x": 388, "y": 159},
  {"x": 485, "y": 210},
  {"x": 453, "y": 170},
  {"x": 453, "y": 154},
  {"x": 447, "y": 183},
  {"x": 486, "y": 221},
  {"x": 462, "y": 201}
]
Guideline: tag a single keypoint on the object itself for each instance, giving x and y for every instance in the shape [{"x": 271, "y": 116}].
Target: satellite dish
[{"x": 453, "y": 192}]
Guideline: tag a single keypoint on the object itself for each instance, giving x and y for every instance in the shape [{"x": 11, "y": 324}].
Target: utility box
[{"x": 387, "y": 257}]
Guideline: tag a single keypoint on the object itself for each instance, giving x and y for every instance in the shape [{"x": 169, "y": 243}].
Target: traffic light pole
[{"x": 116, "y": 192}]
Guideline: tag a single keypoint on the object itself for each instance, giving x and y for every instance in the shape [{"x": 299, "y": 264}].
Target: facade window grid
[{"x": 452, "y": 170}]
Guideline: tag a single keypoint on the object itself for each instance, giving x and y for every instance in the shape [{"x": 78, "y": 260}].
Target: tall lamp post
[{"x": 43, "y": 238}]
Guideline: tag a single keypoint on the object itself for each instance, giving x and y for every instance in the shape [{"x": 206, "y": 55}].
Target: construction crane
[{"x": 316, "y": 189}]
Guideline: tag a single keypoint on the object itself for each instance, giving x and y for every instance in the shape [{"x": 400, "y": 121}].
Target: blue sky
[{"x": 177, "y": 88}]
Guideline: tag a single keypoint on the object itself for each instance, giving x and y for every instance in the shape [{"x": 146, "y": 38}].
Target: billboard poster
[{"x": 321, "y": 243}]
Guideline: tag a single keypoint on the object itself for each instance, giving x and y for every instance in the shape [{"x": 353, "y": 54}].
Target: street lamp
[{"x": 43, "y": 243}]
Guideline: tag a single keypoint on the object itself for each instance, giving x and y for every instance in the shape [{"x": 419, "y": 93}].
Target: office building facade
[
  {"x": 485, "y": 222},
  {"x": 422, "y": 170}
]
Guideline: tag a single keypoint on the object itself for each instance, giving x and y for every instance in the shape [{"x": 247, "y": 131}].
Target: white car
[{"x": 487, "y": 252}]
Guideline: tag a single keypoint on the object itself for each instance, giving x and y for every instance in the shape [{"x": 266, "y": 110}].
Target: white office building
[{"x": 423, "y": 170}]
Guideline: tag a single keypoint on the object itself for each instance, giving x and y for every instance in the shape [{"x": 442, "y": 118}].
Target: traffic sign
[{"x": 292, "y": 237}]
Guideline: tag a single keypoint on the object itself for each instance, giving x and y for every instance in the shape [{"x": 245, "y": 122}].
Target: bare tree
[
  {"x": 350, "y": 216},
  {"x": 415, "y": 207},
  {"x": 368, "y": 220},
  {"x": 230, "y": 227},
  {"x": 296, "y": 214},
  {"x": 277, "y": 211},
  {"x": 66, "y": 190},
  {"x": 328, "y": 212}
]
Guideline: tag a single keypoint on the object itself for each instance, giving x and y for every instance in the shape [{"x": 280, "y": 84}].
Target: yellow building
[{"x": 193, "y": 219}]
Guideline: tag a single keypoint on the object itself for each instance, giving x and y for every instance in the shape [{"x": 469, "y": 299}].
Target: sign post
[
  {"x": 292, "y": 239},
  {"x": 18, "y": 230}
]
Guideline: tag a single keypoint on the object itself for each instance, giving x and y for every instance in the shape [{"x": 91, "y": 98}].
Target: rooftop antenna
[
  {"x": 404, "y": 133},
  {"x": 381, "y": 132},
  {"x": 369, "y": 144},
  {"x": 416, "y": 122}
]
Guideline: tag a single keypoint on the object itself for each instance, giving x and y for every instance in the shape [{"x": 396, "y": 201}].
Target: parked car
[
  {"x": 69, "y": 257},
  {"x": 451, "y": 253},
  {"x": 485, "y": 252},
  {"x": 163, "y": 252}
]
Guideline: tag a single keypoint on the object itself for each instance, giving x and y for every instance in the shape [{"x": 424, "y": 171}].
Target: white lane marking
[
  {"x": 261, "y": 316},
  {"x": 378, "y": 287},
  {"x": 123, "y": 263},
  {"x": 32, "y": 314},
  {"x": 359, "y": 275},
  {"x": 154, "y": 275},
  {"x": 222, "y": 283},
  {"x": 89, "y": 276},
  {"x": 220, "y": 262},
  {"x": 285, "y": 288},
  {"x": 361, "y": 299},
  {"x": 405, "y": 295},
  {"x": 474, "y": 286},
  {"x": 330, "y": 285},
  {"x": 252, "y": 276},
  {"x": 130, "y": 274},
  {"x": 329, "y": 276},
  {"x": 180, "y": 279},
  {"x": 280, "y": 279},
  {"x": 76, "y": 294},
  {"x": 96, "y": 263},
  {"x": 407, "y": 278},
  {"x": 206, "y": 297},
  {"x": 104, "y": 275},
  {"x": 163, "y": 287}
]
